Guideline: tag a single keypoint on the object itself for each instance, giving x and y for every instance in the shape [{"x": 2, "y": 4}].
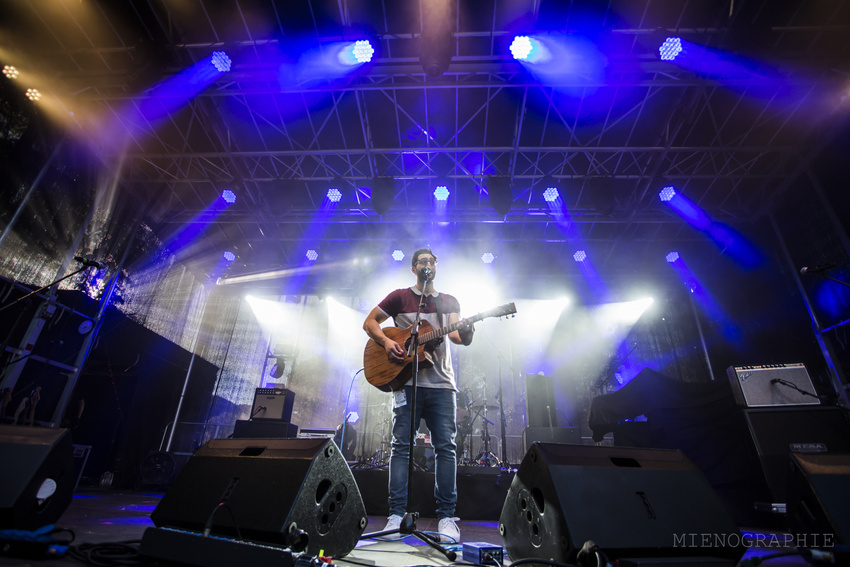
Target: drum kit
[
  {"x": 473, "y": 418},
  {"x": 466, "y": 420}
]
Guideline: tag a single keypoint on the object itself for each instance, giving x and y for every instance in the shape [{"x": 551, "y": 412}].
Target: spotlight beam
[{"x": 285, "y": 273}]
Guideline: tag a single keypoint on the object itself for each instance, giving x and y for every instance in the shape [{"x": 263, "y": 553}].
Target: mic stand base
[{"x": 408, "y": 527}]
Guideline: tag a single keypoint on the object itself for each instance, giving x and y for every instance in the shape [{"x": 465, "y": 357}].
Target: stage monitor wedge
[
  {"x": 630, "y": 502},
  {"x": 818, "y": 500},
  {"x": 37, "y": 478},
  {"x": 296, "y": 493},
  {"x": 779, "y": 433}
]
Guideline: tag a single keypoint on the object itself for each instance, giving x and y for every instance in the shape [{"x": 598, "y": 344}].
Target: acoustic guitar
[{"x": 388, "y": 375}]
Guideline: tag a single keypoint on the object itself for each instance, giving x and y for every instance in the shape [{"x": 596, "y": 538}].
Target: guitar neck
[{"x": 442, "y": 331}]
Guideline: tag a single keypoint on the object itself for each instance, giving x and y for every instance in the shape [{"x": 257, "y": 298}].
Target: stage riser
[{"x": 481, "y": 492}]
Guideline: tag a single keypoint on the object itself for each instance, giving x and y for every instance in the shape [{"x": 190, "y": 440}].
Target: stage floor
[{"x": 99, "y": 516}]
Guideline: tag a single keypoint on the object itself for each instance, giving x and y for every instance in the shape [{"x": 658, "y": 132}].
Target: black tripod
[
  {"x": 486, "y": 458},
  {"x": 408, "y": 521}
]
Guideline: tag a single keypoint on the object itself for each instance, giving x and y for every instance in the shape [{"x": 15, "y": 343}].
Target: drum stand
[
  {"x": 381, "y": 456},
  {"x": 486, "y": 458}
]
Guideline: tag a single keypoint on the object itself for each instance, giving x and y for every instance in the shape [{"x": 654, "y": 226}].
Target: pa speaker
[
  {"x": 772, "y": 385},
  {"x": 296, "y": 493},
  {"x": 540, "y": 401},
  {"x": 818, "y": 508},
  {"x": 630, "y": 502},
  {"x": 37, "y": 476}
]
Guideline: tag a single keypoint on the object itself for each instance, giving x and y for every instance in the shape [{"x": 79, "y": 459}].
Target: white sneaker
[
  {"x": 393, "y": 524},
  {"x": 449, "y": 532}
]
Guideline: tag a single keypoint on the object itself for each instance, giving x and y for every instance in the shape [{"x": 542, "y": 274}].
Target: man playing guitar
[{"x": 436, "y": 389}]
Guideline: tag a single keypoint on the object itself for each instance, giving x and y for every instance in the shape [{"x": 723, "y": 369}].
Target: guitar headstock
[{"x": 509, "y": 309}]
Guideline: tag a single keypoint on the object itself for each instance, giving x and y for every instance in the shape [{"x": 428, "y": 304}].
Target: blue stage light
[
  {"x": 672, "y": 257},
  {"x": 521, "y": 47},
  {"x": 362, "y": 51},
  {"x": 312, "y": 255},
  {"x": 334, "y": 195},
  {"x": 671, "y": 47},
  {"x": 353, "y": 53},
  {"x": 398, "y": 255},
  {"x": 551, "y": 194},
  {"x": 667, "y": 193},
  {"x": 580, "y": 256},
  {"x": 229, "y": 256},
  {"x": 221, "y": 61},
  {"x": 441, "y": 193},
  {"x": 487, "y": 258},
  {"x": 228, "y": 196}
]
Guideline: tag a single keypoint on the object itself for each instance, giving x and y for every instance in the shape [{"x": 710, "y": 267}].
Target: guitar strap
[{"x": 438, "y": 302}]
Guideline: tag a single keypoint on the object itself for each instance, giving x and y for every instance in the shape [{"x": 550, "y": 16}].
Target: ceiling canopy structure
[{"x": 756, "y": 91}]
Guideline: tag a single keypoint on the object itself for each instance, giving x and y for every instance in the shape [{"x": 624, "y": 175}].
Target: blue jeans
[{"x": 438, "y": 406}]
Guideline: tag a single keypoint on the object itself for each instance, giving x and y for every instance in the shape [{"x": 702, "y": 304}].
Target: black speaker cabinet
[
  {"x": 531, "y": 435},
  {"x": 630, "y": 502},
  {"x": 540, "y": 401},
  {"x": 271, "y": 488},
  {"x": 818, "y": 509},
  {"x": 772, "y": 385},
  {"x": 272, "y": 403},
  {"x": 778, "y": 433},
  {"x": 37, "y": 476},
  {"x": 264, "y": 429}
]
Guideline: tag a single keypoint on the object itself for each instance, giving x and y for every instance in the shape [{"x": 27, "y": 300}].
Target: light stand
[
  {"x": 465, "y": 430},
  {"x": 502, "y": 415},
  {"x": 408, "y": 521},
  {"x": 504, "y": 424}
]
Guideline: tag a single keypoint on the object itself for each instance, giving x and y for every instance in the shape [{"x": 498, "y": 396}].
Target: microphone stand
[
  {"x": 794, "y": 387},
  {"x": 408, "y": 522},
  {"x": 823, "y": 275}
]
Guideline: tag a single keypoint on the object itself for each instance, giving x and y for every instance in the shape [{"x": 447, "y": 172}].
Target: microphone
[
  {"x": 88, "y": 263},
  {"x": 427, "y": 273},
  {"x": 818, "y": 269}
]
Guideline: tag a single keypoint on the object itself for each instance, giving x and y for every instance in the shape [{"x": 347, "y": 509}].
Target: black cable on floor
[{"x": 108, "y": 554}]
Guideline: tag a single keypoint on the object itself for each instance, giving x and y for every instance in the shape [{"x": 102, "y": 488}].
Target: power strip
[{"x": 482, "y": 553}]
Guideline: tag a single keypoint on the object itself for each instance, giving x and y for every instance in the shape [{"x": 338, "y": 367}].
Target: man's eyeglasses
[{"x": 425, "y": 261}]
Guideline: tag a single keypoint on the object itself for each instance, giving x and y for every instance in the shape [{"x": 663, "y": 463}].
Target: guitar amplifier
[
  {"x": 772, "y": 385},
  {"x": 272, "y": 403}
]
